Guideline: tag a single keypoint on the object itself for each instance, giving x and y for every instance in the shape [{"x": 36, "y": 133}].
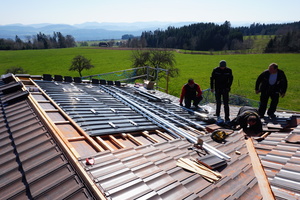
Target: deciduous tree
[
  {"x": 80, "y": 63},
  {"x": 155, "y": 58}
]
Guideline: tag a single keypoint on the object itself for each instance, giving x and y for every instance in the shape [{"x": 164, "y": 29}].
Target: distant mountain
[
  {"x": 131, "y": 26},
  {"x": 85, "y": 31}
]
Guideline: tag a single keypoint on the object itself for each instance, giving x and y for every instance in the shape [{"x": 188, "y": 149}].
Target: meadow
[{"x": 245, "y": 67}]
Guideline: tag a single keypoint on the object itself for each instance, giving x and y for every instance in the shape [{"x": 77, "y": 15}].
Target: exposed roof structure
[{"x": 84, "y": 140}]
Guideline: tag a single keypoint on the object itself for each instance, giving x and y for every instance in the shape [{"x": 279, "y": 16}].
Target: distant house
[{"x": 103, "y": 44}]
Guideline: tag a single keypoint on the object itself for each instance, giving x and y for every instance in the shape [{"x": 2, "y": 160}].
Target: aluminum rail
[
  {"x": 164, "y": 123},
  {"x": 142, "y": 111},
  {"x": 192, "y": 111},
  {"x": 165, "y": 110},
  {"x": 160, "y": 119},
  {"x": 192, "y": 139},
  {"x": 182, "y": 107}
]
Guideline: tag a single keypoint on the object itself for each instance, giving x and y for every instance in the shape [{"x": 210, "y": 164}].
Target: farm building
[{"x": 64, "y": 138}]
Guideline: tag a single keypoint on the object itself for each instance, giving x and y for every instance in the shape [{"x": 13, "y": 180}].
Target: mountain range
[
  {"x": 86, "y": 31},
  {"x": 92, "y": 30}
]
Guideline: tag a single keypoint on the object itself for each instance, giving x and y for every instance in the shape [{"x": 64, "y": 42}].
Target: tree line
[
  {"x": 214, "y": 37},
  {"x": 39, "y": 41},
  {"x": 269, "y": 29},
  {"x": 286, "y": 40},
  {"x": 287, "y": 43},
  {"x": 200, "y": 36}
]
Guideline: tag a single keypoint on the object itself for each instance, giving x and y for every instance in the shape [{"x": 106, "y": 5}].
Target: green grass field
[{"x": 246, "y": 68}]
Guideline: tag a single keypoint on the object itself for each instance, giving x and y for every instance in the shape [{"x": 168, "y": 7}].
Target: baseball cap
[{"x": 222, "y": 63}]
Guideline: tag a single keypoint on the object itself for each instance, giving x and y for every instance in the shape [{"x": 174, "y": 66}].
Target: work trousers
[
  {"x": 188, "y": 101},
  {"x": 222, "y": 94},
  {"x": 264, "y": 98}
]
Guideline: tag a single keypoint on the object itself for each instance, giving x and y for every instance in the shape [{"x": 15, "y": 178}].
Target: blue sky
[{"x": 80, "y": 11}]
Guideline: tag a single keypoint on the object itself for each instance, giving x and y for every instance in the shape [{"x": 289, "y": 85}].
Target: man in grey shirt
[{"x": 271, "y": 83}]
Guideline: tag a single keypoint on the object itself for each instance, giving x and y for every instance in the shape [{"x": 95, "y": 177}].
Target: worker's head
[
  {"x": 251, "y": 120},
  {"x": 191, "y": 82},
  {"x": 273, "y": 67},
  {"x": 222, "y": 64}
]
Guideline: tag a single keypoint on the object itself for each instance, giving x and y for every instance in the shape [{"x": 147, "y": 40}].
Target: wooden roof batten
[
  {"x": 259, "y": 172},
  {"x": 67, "y": 121}
]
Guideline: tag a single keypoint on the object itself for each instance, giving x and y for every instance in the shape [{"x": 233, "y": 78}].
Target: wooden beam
[
  {"x": 259, "y": 172},
  {"x": 76, "y": 138},
  {"x": 61, "y": 122},
  {"x": 167, "y": 137},
  {"x": 51, "y": 110},
  {"x": 199, "y": 169},
  {"x": 196, "y": 130},
  {"x": 103, "y": 143},
  {"x": 146, "y": 134},
  {"x": 116, "y": 142},
  {"x": 133, "y": 139},
  {"x": 42, "y": 101},
  {"x": 187, "y": 167}
]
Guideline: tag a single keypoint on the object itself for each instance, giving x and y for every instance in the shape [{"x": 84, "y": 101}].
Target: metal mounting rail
[
  {"x": 165, "y": 110},
  {"x": 144, "y": 112},
  {"x": 163, "y": 123},
  {"x": 182, "y": 107}
]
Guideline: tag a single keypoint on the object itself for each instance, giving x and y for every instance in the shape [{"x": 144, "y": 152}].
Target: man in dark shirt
[
  {"x": 270, "y": 83},
  {"x": 191, "y": 91},
  {"x": 220, "y": 83},
  {"x": 248, "y": 119}
]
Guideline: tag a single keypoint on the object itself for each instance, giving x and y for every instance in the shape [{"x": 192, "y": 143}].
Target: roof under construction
[{"x": 69, "y": 139}]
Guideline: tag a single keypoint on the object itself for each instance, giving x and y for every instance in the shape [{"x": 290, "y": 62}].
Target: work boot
[
  {"x": 272, "y": 116},
  {"x": 227, "y": 122}
]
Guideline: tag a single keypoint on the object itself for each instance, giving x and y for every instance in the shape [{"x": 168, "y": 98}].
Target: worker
[
  {"x": 271, "y": 83},
  {"x": 220, "y": 84},
  {"x": 191, "y": 91},
  {"x": 248, "y": 119}
]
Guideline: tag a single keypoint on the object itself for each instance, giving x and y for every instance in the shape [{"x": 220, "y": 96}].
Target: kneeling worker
[
  {"x": 191, "y": 92},
  {"x": 248, "y": 119}
]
